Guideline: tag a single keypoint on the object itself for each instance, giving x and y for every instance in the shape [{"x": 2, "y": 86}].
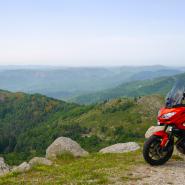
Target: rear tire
[{"x": 152, "y": 149}]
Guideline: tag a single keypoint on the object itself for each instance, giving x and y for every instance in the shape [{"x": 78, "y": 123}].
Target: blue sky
[{"x": 92, "y": 32}]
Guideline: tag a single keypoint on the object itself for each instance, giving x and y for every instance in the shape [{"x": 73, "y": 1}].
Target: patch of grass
[
  {"x": 66, "y": 156},
  {"x": 94, "y": 169},
  {"x": 177, "y": 158},
  {"x": 129, "y": 178}
]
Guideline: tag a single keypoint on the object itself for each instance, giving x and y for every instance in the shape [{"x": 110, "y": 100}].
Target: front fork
[{"x": 166, "y": 137}]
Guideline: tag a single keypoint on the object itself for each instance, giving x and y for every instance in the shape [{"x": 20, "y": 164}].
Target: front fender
[{"x": 164, "y": 137}]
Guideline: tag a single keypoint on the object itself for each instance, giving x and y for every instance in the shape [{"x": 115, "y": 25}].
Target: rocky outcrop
[
  {"x": 4, "y": 168},
  {"x": 23, "y": 167},
  {"x": 65, "y": 145},
  {"x": 121, "y": 148},
  {"x": 39, "y": 161}
]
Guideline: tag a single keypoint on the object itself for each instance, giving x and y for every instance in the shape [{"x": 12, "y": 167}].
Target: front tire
[{"x": 154, "y": 154}]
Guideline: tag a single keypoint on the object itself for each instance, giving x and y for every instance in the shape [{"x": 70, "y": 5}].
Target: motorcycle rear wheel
[{"x": 154, "y": 154}]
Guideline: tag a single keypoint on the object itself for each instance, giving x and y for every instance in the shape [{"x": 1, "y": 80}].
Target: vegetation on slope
[
  {"x": 29, "y": 123},
  {"x": 20, "y": 114}
]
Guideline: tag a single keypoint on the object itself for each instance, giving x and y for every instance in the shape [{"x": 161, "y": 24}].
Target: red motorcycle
[{"x": 158, "y": 148}]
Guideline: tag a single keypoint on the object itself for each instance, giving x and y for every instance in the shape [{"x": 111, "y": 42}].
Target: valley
[
  {"x": 67, "y": 83},
  {"x": 161, "y": 85}
]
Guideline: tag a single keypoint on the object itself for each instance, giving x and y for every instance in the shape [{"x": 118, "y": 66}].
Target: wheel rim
[{"x": 156, "y": 152}]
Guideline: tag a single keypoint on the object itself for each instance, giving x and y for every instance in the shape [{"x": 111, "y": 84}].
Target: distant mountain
[
  {"x": 66, "y": 83},
  {"x": 145, "y": 75},
  {"x": 132, "y": 89}
]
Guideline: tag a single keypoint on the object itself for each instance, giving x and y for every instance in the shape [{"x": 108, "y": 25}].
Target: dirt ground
[{"x": 172, "y": 172}]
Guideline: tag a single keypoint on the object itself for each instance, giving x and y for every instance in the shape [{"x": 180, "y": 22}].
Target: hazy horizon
[
  {"x": 92, "y": 33},
  {"x": 87, "y": 66}
]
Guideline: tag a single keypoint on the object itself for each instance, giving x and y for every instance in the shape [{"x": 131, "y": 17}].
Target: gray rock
[
  {"x": 40, "y": 161},
  {"x": 4, "y": 168},
  {"x": 121, "y": 148},
  {"x": 152, "y": 130},
  {"x": 65, "y": 145},
  {"x": 23, "y": 167}
]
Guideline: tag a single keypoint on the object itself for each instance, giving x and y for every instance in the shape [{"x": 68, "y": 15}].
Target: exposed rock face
[
  {"x": 64, "y": 145},
  {"x": 155, "y": 102},
  {"x": 40, "y": 161},
  {"x": 4, "y": 168},
  {"x": 23, "y": 167},
  {"x": 121, "y": 148}
]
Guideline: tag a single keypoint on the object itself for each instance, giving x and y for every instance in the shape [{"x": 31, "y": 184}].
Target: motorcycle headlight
[{"x": 168, "y": 115}]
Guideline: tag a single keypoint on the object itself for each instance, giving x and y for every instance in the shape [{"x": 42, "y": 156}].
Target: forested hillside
[
  {"x": 20, "y": 114},
  {"x": 29, "y": 123}
]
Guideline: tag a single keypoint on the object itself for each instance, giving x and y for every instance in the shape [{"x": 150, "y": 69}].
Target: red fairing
[
  {"x": 164, "y": 137},
  {"x": 178, "y": 119}
]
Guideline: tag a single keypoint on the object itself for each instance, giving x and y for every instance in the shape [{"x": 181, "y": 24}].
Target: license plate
[{"x": 152, "y": 130}]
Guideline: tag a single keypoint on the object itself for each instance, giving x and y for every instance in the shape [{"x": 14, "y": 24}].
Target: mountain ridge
[
  {"x": 65, "y": 83},
  {"x": 160, "y": 85}
]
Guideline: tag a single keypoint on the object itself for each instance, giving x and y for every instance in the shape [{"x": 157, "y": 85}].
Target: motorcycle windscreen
[{"x": 175, "y": 96}]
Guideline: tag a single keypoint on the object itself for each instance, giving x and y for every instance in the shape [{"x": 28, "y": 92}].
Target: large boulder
[
  {"x": 121, "y": 148},
  {"x": 65, "y": 145},
  {"x": 40, "y": 161},
  {"x": 23, "y": 167},
  {"x": 152, "y": 130},
  {"x": 4, "y": 168}
]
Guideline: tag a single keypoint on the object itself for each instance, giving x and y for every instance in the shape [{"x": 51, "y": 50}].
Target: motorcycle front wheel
[{"x": 154, "y": 154}]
